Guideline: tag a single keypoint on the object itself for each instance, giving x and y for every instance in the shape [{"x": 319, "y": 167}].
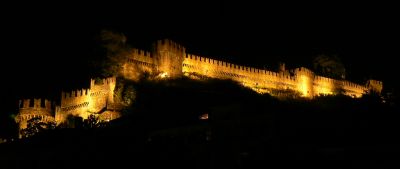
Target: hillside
[{"x": 163, "y": 128}]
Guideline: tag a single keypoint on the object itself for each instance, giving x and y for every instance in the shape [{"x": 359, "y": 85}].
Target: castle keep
[{"x": 168, "y": 59}]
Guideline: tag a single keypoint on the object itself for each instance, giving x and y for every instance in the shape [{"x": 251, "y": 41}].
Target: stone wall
[
  {"x": 34, "y": 108},
  {"x": 169, "y": 58}
]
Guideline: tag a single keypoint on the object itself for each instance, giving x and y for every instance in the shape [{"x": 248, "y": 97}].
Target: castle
[
  {"x": 170, "y": 60},
  {"x": 98, "y": 99}
]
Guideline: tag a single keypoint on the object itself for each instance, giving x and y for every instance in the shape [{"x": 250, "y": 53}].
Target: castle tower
[
  {"x": 169, "y": 57},
  {"x": 375, "y": 86},
  {"x": 282, "y": 69},
  {"x": 33, "y": 108},
  {"x": 305, "y": 79},
  {"x": 101, "y": 94}
]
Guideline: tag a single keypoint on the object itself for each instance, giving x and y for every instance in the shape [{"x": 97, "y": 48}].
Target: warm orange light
[
  {"x": 304, "y": 85},
  {"x": 164, "y": 75},
  {"x": 204, "y": 117}
]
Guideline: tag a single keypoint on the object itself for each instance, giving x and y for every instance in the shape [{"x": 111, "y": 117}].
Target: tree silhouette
[
  {"x": 113, "y": 50},
  {"x": 93, "y": 121},
  {"x": 330, "y": 66},
  {"x": 36, "y": 125},
  {"x": 124, "y": 93}
]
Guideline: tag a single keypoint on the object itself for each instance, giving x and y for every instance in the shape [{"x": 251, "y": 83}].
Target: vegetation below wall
[{"x": 163, "y": 128}]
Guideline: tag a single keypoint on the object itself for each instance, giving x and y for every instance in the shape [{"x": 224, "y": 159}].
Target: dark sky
[{"x": 46, "y": 46}]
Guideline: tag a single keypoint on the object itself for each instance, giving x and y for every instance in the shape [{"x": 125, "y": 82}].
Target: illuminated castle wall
[
  {"x": 32, "y": 108},
  {"x": 97, "y": 99},
  {"x": 169, "y": 58},
  {"x": 166, "y": 57}
]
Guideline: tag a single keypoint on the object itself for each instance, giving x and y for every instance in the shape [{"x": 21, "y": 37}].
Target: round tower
[
  {"x": 33, "y": 108},
  {"x": 169, "y": 57}
]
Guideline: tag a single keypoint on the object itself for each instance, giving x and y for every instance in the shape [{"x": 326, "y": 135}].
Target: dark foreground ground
[{"x": 244, "y": 130}]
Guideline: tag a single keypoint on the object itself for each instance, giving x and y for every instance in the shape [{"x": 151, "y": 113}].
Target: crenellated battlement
[
  {"x": 140, "y": 53},
  {"x": 169, "y": 44},
  {"x": 321, "y": 79},
  {"x": 34, "y": 108},
  {"x": 74, "y": 95},
  {"x": 102, "y": 82},
  {"x": 201, "y": 61},
  {"x": 169, "y": 59},
  {"x": 35, "y": 103},
  {"x": 305, "y": 79},
  {"x": 304, "y": 71}
]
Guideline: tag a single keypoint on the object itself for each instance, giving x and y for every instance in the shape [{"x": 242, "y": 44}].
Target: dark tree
[
  {"x": 36, "y": 125},
  {"x": 330, "y": 66},
  {"x": 111, "y": 53},
  {"x": 93, "y": 121}
]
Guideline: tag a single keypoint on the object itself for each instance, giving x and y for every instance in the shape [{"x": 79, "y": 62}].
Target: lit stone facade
[
  {"x": 98, "y": 99},
  {"x": 34, "y": 108},
  {"x": 168, "y": 59}
]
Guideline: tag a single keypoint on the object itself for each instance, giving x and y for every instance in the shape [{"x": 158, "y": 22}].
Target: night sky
[{"x": 46, "y": 48}]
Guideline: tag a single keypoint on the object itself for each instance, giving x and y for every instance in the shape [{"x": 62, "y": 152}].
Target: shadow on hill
[{"x": 244, "y": 130}]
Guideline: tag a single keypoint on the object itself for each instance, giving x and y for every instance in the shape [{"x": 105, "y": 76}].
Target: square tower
[{"x": 169, "y": 57}]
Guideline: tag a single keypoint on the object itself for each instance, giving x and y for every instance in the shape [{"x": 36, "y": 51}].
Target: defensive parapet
[
  {"x": 71, "y": 98},
  {"x": 105, "y": 86},
  {"x": 254, "y": 78},
  {"x": 300, "y": 79},
  {"x": 137, "y": 63},
  {"x": 34, "y": 108},
  {"x": 103, "y": 83},
  {"x": 141, "y": 56},
  {"x": 324, "y": 86}
]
